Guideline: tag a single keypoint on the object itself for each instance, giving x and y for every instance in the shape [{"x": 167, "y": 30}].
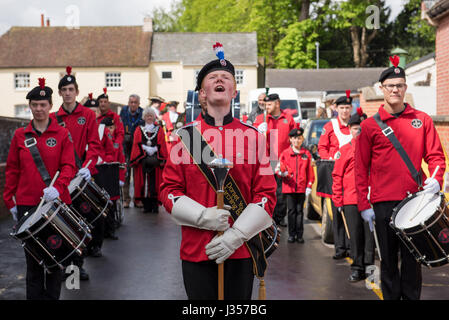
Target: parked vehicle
[{"x": 193, "y": 107}]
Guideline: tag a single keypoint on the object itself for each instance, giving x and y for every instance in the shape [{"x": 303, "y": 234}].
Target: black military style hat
[
  {"x": 107, "y": 121},
  {"x": 104, "y": 95},
  {"x": 91, "y": 102},
  {"x": 67, "y": 79},
  {"x": 357, "y": 117},
  {"x": 296, "y": 132},
  {"x": 393, "y": 72},
  {"x": 347, "y": 99},
  {"x": 41, "y": 92},
  {"x": 220, "y": 64},
  {"x": 271, "y": 97}
]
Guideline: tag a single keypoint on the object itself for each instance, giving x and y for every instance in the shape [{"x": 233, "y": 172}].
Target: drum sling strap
[
  {"x": 232, "y": 195},
  {"x": 31, "y": 144},
  {"x": 78, "y": 161},
  {"x": 388, "y": 132}
]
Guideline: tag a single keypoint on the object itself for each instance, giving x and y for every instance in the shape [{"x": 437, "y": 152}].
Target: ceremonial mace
[{"x": 220, "y": 168}]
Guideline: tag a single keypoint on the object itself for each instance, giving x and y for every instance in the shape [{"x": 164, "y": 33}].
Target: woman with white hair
[{"x": 148, "y": 156}]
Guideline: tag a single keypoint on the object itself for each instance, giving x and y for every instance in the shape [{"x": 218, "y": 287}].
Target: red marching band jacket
[
  {"x": 300, "y": 172},
  {"x": 22, "y": 178},
  {"x": 379, "y": 165},
  {"x": 284, "y": 124},
  {"x": 253, "y": 176},
  {"x": 329, "y": 143},
  {"x": 137, "y": 154},
  {"x": 344, "y": 192},
  {"x": 83, "y": 129}
]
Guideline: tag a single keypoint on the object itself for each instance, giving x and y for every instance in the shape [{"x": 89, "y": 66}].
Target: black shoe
[
  {"x": 357, "y": 275},
  {"x": 300, "y": 240},
  {"x": 339, "y": 256},
  {"x": 282, "y": 224},
  {"x": 83, "y": 275},
  {"x": 291, "y": 239},
  {"x": 96, "y": 252}
]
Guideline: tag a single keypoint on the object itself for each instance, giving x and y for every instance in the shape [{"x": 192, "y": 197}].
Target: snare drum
[
  {"x": 52, "y": 234},
  {"x": 422, "y": 222},
  {"x": 89, "y": 200}
]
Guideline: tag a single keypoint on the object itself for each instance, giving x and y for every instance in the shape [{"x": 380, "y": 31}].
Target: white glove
[
  {"x": 188, "y": 212},
  {"x": 368, "y": 216},
  {"x": 13, "y": 211},
  {"x": 431, "y": 185},
  {"x": 308, "y": 191},
  {"x": 50, "y": 194},
  {"x": 121, "y": 183},
  {"x": 263, "y": 127},
  {"x": 149, "y": 150},
  {"x": 251, "y": 221},
  {"x": 85, "y": 173}
]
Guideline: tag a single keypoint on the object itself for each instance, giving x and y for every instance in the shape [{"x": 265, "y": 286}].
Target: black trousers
[
  {"x": 280, "y": 210},
  {"x": 40, "y": 285},
  {"x": 341, "y": 241},
  {"x": 201, "y": 279},
  {"x": 395, "y": 284},
  {"x": 362, "y": 239},
  {"x": 295, "y": 205},
  {"x": 97, "y": 233},
  {"x": 109, "y": 221}
]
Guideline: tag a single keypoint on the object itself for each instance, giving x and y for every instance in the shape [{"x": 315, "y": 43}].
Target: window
[
  {"x": 22, "y": 111},
  {"x": 239, "y": 76},
  {"x": 113, "y": 80},
  {"x": 22, "y": 80},
  {"x": 167, "y": 75}
]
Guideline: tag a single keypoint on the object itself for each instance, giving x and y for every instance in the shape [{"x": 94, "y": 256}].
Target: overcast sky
[{"x": 91, "y": 12}]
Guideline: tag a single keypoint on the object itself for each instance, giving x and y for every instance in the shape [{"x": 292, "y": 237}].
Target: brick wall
[
  {"x": 370, "y": 107},
  {"x": 442, "y": 126},
  {"x": 442, "y": 63}
]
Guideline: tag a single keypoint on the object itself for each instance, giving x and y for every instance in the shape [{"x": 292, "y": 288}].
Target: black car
[{"x": 312, "y": 134}]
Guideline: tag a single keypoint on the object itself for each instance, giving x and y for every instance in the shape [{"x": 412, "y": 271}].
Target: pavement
[{"x": 144, "y": 264}]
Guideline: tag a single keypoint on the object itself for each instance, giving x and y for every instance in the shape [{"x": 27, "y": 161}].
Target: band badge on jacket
[
  {"x": 304, "y": 156},
  {"x": 337, "y": 155},
  {"x": 416, "y": 123},
  {"x": 81, "y": 121},
  {"x": 51, "y": 142}
]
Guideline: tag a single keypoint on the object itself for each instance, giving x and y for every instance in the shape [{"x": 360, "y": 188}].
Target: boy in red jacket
[
  {"x": 296, "y": 169},
  {"x": 344, "y": 196}
]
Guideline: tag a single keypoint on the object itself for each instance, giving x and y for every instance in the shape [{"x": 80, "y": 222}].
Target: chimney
[
  {"x": 48, "y": 22},
  {"x": 42, "y": 20},
  {"x": 147, "y": 24}
]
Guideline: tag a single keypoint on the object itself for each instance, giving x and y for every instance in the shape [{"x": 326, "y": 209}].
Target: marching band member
[
  {"x": 379, "y": 165},
  {"x": 296, "y": 170},
  {"x": 24, "y": 182},
  {"x": 276, "y": 126},
  {"x": 335, "y": 135},
  {"x": 148, "y": 156},
  {"x": 82, "y": 125},
  {"x": 344, "y": 196},
  {"x": 104, "y": 107},
  {"x": 192, "y": 201}
]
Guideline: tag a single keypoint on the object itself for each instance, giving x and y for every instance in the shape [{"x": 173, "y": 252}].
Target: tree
[{"x": 167, "y": 21}]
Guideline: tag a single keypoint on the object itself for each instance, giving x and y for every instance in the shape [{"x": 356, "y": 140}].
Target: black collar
[
  {"x": 211, "y": 121},
  {"x": 65, "y": 110},
  {"x": 37, "y": 131}
]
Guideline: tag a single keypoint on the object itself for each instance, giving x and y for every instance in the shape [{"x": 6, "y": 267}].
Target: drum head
[
  {"x": 28, "y": 221},
  {"x": 417, "y": 210},
  {"x": 74, "y": 183}
]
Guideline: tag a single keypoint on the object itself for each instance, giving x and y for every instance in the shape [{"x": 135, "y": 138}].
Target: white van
[{"x": 289, "y": 100}]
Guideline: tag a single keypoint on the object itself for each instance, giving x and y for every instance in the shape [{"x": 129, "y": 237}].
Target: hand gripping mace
[{"x": 220, "y": 168}]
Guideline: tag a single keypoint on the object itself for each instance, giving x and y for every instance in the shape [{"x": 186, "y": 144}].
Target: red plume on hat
[
  {"x": 359, "y": 111},
  {"x": 348, "y": 93},
  {"x": 68, "y": 69},
  {"x": 105, "y": 90},
  {"x": 395, "y": 60},
  {"x": 91, "y": 96},
  {"x": 42, "y": 83}
]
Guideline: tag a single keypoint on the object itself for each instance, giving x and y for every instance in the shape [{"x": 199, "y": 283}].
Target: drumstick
[
  {"x": 420, "y": 202},
  {"x": 376, "y": 241},
  {"x": 51, "y": 185},
  {"x": 345, "y": 224},
  {"x": 88, "y": 163}
]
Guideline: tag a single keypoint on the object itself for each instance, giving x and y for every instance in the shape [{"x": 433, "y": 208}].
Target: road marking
[{"x": 374, "y": 287}]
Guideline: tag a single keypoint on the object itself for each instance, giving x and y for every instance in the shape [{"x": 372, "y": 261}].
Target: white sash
[{"x": 342, "y": 138}]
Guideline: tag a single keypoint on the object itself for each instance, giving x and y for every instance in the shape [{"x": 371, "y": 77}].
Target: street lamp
[{"x": 317, "y": 44}]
